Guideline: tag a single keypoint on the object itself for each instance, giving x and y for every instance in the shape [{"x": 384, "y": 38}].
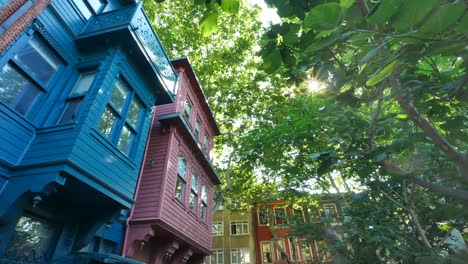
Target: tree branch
[
  {"x": 374, "y": 118},
  {"x": 394, "y": 170},
  {"x": 431, "y": 131}
]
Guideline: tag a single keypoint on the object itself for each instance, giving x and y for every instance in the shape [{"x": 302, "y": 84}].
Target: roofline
[{"x": 184, "y": 61}]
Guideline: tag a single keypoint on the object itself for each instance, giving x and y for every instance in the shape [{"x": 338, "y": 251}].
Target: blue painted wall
[{"x": 83, "y": 180}]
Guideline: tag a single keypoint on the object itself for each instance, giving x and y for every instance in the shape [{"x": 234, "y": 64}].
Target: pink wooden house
[{"x": 171, "y": 220}]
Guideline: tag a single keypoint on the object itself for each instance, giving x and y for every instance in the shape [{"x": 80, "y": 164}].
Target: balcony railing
[{"x": 132, "y": 27}]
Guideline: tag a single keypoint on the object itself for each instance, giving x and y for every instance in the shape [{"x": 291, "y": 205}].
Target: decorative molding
[{"x": 39, "y": 27}]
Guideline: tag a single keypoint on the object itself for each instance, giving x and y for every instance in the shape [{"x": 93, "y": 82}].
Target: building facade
[
  {"x": 78, "y": 82},
  {"x": 171, "y": 220},
  {"x": 274, "y": 244},
  {"x": 233, "y": 238}
]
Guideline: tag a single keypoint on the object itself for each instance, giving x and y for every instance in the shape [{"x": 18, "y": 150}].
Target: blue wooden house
[{"x": 77, "y": 87}]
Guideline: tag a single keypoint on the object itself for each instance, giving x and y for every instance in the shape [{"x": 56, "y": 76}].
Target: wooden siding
[
  {"x": 15, "y": 135},
  {"x": 151, "y": 183},
  {"x": 186, "y": 93},
  {"x": 39, "y": 141},
  {"x": 172, "y": 210}
]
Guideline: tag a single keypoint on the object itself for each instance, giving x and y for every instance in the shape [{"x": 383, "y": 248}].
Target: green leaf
[
  {"x": 371, "y": 54},
  {"x": 288, "y": 56},
  {"x": 444, "y": 17},
  {"x": 323, "y": 17},
  {"x": 231, "y": 6},
  {"x": 329, "y": 40},
  {"x": 273, "y": 61},
  {"x": 412, "y": 12},
  {"x": 382, "y": 73},
  {"x": 292, "y": 37},
  {"x": 209, "y": 23},
  {"x": 346, "y": 3},
  {"x": 385, "y": 10},
  {"x": 462, "y": 25}
]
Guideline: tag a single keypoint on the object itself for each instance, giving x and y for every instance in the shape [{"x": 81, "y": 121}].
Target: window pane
[
  {"x": 16, "y": 89},
  {"x": 266, "y": 253},
  {"x": 83, "y": 8},
  {"x": 280, "y": 216},
  {"x": 197, "y": 129},
  {"x": 180, "y": 189},
  {"x": 204, "y": 194},
  {"x": 83, "y": 83},
  {"x": 134, "y": 113},
  {"x": 193, "y": 202},
  {"x": 71, "y": 111},
  {"x": 205, "y": 141},
  {"x": 32, "y": 239},
  {"x": 119, "y": 94},
  {"x": 11, "y": 84},
  {"x": 194, "y": 182},
  {"x": 263, "y": 216},
  {"x": 39, "y": 60},
  {"x": 203, "y": 212},
  {"x": 126, "y": 139},
  {"x": 182, "y": 166},
  {"x": 107, "y": 121},
  {"x": 188, "y": 110},
  {"x": 96, "y": 5}
]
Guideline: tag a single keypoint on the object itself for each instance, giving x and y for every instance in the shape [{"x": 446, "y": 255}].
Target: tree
[{"x": 390, "y": 111}]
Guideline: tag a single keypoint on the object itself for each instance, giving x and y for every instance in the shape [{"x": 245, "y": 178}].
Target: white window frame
[
  {"x": 258, "y": 217},
  {"x": 272, "y": 254},
  {"x": 285, "y": 220},
  {"x": 240, "y": 251},
  {"x": 221, "y": 224},
  {"x": 243, "y": 223},
  {"x": 219, "y": 252}
]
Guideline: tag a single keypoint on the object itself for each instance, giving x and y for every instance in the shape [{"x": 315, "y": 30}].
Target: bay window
[
  {"x": 77, "y": 96},
  {"x": 121, "y": 118},
  {"x": 27, "y": 75}
]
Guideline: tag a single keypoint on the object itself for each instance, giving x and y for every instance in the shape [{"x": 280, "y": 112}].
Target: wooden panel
[
  {"x": 15, "y": 135},
  {"x": 150, "y": 189}
]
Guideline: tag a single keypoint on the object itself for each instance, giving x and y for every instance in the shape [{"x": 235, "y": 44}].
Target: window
[
  {"x": 240, "y": 256},
  {"x": 121, "y": 118},
  {"x": 263, "y": 216},
  {"x": 280, "y": 216},
  {"x": 267, "y": 257},
  {"x": 32, "y": 237},
  {"x": 180, "y": 184},
  {"x": 204, "y": 204},
  {"x": 239, "y": 227},
  {"x": 322, "y": 250},
  {"x": 306, "y": 250},
  {"x": 279, "y": 255},
  {"x": 197, "y": 129},
  {"x": 216, "y": 258},
  {"x": 194, "y": 193},
  {"x": 295, "y": 248},
  {"x": 298, "y": 215},
  {"x": 205, "y": 141},
  {"x": 90, "y": 7},
  {"x": 76, "y": 97},
  {"x": 26, "y": 76},
  {"x": 187, "y": 110},
  {"x": 329, "y": 209},
  {"x": 218, "y": 228}
]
